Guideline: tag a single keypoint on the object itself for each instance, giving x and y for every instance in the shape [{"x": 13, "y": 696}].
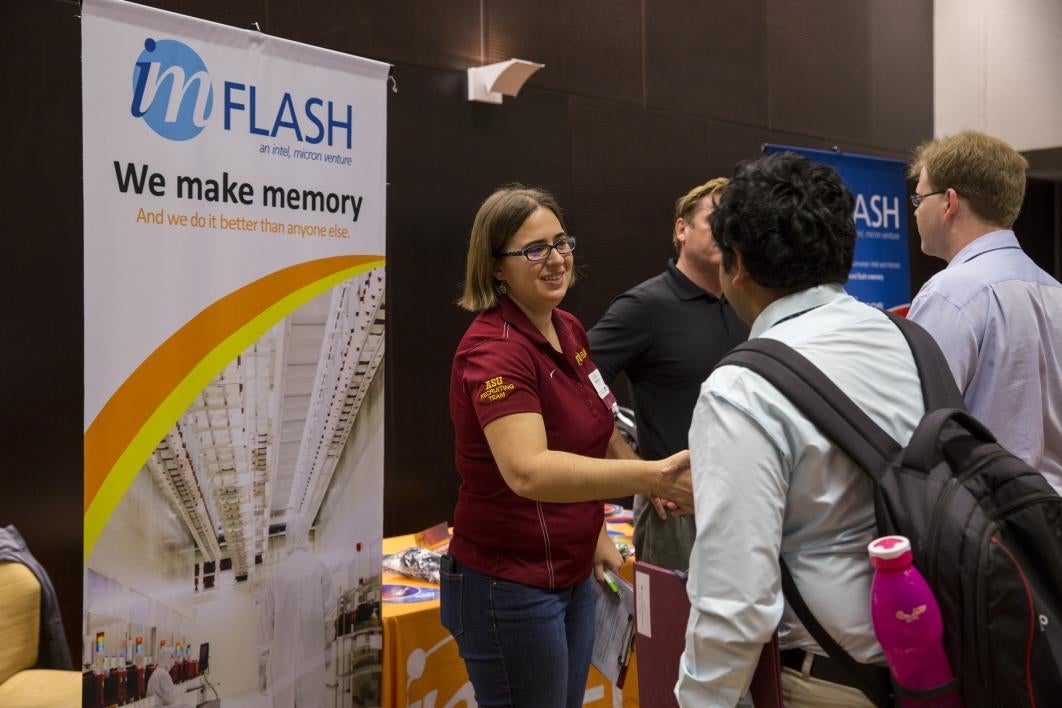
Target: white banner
[
  {"x": 234, "y": 196},
  {"x": 250, "y": 153}
]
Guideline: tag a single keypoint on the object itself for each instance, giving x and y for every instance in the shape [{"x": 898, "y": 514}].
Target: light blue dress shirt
[
  {"x": 766, "y": 483},
  {"x": 998, "y": 318}
]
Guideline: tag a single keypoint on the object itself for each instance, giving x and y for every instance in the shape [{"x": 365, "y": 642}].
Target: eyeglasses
[
  {"x": 917, "y": 198},
  {"x": 541, "y": 251}
]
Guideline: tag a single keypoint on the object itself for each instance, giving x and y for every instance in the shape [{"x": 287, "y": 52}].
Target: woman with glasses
[{"x": 534, "y": 426}]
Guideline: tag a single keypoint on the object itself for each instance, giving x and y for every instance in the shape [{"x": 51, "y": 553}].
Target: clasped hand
[{"x": 673, "y": 491}]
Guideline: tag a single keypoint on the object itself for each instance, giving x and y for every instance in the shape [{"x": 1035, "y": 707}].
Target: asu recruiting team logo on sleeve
[{"x": 495, "y": 389}]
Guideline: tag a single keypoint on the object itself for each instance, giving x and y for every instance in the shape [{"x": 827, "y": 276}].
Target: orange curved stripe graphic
[{"x": 118, "y": 423}]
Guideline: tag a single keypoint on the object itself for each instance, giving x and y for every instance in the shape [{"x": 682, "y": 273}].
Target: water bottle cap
[{"x": 889, "y": 547}]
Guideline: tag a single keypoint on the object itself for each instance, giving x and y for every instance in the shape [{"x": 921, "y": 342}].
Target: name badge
[{"x": 604, "y": 391}]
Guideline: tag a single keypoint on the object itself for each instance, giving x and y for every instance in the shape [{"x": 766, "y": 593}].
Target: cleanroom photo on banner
[{"x": 243, "y": 542}]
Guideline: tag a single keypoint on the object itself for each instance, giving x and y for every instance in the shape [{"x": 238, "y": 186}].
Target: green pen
[{"x": 611, "y": 584}]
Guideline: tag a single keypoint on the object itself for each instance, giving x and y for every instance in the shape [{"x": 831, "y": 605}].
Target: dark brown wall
[
  {"x": 41, "y": 385},
  {"x": 638, "y": 102},
  {"x": 1037, "y": 225}
]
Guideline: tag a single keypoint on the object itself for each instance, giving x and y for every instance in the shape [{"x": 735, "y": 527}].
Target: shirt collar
[
  {"x": 511, "y": 313},
  {"x": 992, "y": 241},
  {"x": 795, "y": 304},
  {"x": 685, "y": 289}
]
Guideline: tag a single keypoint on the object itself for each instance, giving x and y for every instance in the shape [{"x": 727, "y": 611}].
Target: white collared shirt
[{"x": 766, "y": 483}]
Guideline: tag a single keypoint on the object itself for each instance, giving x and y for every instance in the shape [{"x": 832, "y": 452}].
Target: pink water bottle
[{"x": 908, "y": 625}]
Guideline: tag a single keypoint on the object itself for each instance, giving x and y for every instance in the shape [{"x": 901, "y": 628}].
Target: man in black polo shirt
[{"x": 667, "y": 334}]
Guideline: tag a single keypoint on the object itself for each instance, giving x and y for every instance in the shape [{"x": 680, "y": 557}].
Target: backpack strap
[
  {"x": 838, "y": 418},
  {"x": 873, "y": 680},
  {"x": 924, "y": 450},
  {"x": 939, "y": 389},
  {"x": 846, "y": 425},
  {"x": 835, "y": 415},
  {"x": 943, "y": 400}
]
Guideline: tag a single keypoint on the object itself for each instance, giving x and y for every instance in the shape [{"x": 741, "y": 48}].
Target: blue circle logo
[{"x": 171, "y": 89}]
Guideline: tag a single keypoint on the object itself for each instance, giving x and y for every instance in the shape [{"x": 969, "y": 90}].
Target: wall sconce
[{"x": 487, "y": 84}]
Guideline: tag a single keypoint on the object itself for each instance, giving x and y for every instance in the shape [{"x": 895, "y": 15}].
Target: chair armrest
[{"x": 20, "y": 618}]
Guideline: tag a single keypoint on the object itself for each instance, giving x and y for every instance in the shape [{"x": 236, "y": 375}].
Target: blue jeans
[{"x": 523, "y": 646}]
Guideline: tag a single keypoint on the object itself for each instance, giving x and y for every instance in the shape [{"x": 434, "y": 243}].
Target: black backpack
[{"x": 985, "y": 528}]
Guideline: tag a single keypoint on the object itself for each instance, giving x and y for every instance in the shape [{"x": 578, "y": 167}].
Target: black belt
[{"x": 826, "y": 669}]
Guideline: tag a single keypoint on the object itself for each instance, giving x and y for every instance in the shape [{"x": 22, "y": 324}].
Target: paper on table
[
  {"x": 433, "y": 537},
  {"x": 614, "y": 628}
]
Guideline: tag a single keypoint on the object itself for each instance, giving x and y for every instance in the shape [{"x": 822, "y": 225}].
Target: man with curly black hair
[{"x": 766, "y": 482}]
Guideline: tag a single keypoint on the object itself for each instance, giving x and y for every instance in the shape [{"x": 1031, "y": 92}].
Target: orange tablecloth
[{"x": 421, "y": 666}]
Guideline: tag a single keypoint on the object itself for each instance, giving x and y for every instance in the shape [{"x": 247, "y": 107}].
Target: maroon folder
[
  {"x": 766, "y": 688},
  {"x": 662, "y": 609}
]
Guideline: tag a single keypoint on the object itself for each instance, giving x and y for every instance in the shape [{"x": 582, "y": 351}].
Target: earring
[{"x": 502, "y": 289}]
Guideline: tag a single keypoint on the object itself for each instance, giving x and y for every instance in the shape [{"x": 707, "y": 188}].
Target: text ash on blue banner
[{"x": 880, "y": 274}]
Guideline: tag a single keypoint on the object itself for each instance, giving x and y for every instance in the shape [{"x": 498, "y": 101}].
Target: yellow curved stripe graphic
[{"x": 146, "y": 405}]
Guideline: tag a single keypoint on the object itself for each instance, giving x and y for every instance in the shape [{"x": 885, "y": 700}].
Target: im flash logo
[
  {"x": 173, "y": 93},
  {"x": 181, "y": 112}
]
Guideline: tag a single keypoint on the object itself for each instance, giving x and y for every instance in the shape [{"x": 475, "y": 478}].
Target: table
[{"x": 421, "y": 667}]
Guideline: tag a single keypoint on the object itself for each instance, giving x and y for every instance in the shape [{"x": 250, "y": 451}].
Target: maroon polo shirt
[{"x": 503, "y": 366}]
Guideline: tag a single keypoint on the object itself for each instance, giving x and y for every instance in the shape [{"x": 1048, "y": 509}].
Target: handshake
[{"x": 673, "y": 489}]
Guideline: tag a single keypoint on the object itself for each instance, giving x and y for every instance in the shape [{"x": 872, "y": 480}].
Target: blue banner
[{"x": 881, "y": 274}]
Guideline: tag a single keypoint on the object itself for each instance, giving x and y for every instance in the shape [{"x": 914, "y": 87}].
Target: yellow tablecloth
[{"x": 421, "y": 666}]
